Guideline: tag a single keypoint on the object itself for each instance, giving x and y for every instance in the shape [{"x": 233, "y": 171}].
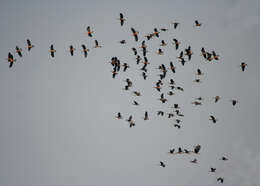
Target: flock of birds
[{"x": 184, "y": 57}]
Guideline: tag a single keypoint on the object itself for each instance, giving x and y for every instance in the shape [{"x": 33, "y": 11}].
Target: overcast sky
[{"x": 57, "y": 115}]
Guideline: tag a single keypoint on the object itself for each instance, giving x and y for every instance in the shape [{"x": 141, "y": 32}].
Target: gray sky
[{"x": 57, "y": 116}]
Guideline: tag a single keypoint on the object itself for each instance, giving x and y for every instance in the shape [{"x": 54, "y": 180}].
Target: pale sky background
[{"x": 57, "y": 116}]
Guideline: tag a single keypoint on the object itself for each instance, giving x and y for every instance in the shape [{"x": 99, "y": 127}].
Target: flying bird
[
  {"x": 243, "y": 66},
  {"x": 18, "y": 51},
  {"x": 176, "y": 43},
  {"x": 29, "y": 45},
  {"x": 194, "y": 160},
  {"x": 223, "y": 158},
  {"x": 135, "y": 34},
  {"x": 171, "y": 151},
  {"x": 122, "y": 19},
  {"x": 234, "y": 102},
  {"x": 119, "y": 115},
  {"x": 176, "y": 125},
  {"x": 175, "y": 24},
  {"x": 220, "y": 179},
  {"x": 162, "y": 164},
  {"x": 122, "y": 42},
  {"x": 135, "y": 103},
  {"x": 89, "y": 31},
  {"x": 146, "y": 116},
  {"x": 97, "y": 45},
  {"x": 197, "y": 23},
  {"x": 10, "y": 59},
  {"x": 197, "y": 149},
  {"x": 135, "y": 51},
  {"x": 213, "y": 119},
  {"x": 52, "y": 50},
  {"x": 156, "y": 32},
  {"x": 217, "y": 98},
  {"x": 85, "y": 50},
  {"x": 71, "y": 50}
]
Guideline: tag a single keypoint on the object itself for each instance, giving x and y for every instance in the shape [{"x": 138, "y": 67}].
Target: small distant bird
[
  {"x": 216, "y": 98},
  {"x": 160, "y": 52},
  {"x": 197, "y": 80},
  {"x": 130, "y": 118},
  {"x": 162, "y": 164},
  {"x": 119, "y": 115},
  {"x": 156, "y": 32},
  {"x": 199, "y": 73},
  {"x": 186, "y": 151},
  {"x": 175, "y": 24},
  {"x": 143, "y": 45},
  {"x": 199, "y": 98},
  {"x": 178, "y": 120},
  {"x": 18, "y": 51},
  {"x": 125, "y": 65},
  {"x": 188, "y": 52},
  {"x": 138, "y": 59},
  {"x": 181, "y": 55},
  {"x": 144, "y": 75},
  {"x": 149, "y": 36},
  {"x": 176, "y": 125},
  {"x": 10, "y": 59},
  {"x": 135, "y": 34},
  {"x": 170, "y": 93},
  {"x": 197, "y": 23},
  {"x": 176, "y": 106},
  {"x": 135, "y": 103},
  {"x": 122, "y": 19},
  {"x": 52, "y": 50},
  {"x": 160, "y": 113},
  {"x": 29, "y": 45},
  {"x": 223, "y": 158},
  {"x": 146, "y": 116},
  {"x": 97, "y": 45},
  {"x": 172, "y": 67},
  {"x": 176, "y": 43},
  {"x": 194, "y": 160},
  {"x": 135, "y": 51},
  {"x": 180, "y": 88},
  {"x": 178, "y": 113},
  {"x": 126, "y": 87},
  {"x": 214, "y": 120},
  {"x": 85, "y": 50},
  {"x": 114, "y": 73},
  {"x": 71, "y": 50},
  {"x": 215, "y": 56},
  {"x": 131, "y": 124},
  {"x": 137, "y": 93},
  {"x": 171, "y": 151},
  {"x": 170, "y": 115},
  {"x": 157, "y": 87},
  {"x": 212, "y": 169},
  {"x": 162, "y": 99},
  {"x": 122, "y": 42},
  {"x": 164, "y": 29},
  {"x": 243, "y": 66},
  {"x": 220, "y": 179},
  {"x": 234, "y": 102},
  {"x": 89, "y": 31},
  {"x": 197, "y": 149},
  {"x": 179, "y": 150},
  {"x": 163, "y": 43},
  {"x": 203, "y": 53},
  {"x": 196, "y": 103}
]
